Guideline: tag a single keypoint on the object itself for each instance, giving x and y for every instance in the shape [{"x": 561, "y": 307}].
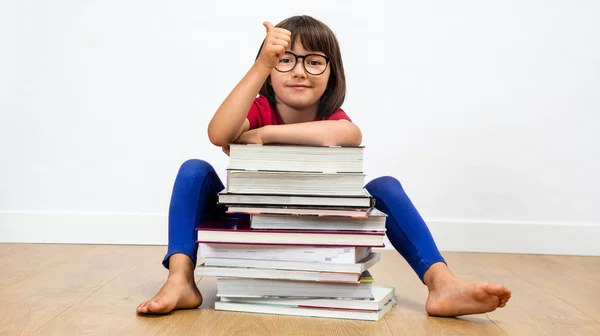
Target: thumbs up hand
[{"x": 276, "y": 42}]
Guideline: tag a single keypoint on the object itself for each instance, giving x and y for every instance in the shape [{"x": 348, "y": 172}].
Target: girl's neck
[{"x": 291, "y": 115}]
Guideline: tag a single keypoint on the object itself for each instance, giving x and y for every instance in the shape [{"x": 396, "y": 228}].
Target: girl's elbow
[
  {"x": 218, "y": 143},
  {"x": 350, "y": 137},
  {"x": 354, "y": 141},
  {"x": 356, "y": 138},
  {"x": 216, "y": 139}
]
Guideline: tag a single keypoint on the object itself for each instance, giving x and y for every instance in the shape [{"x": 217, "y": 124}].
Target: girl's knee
[
  {"x": 195, "y": 167},
  {"x": 382, "y": 183}
]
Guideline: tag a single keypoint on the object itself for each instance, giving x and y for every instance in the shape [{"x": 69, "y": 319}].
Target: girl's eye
[
  {"x": 315, "y": 63},
  {"x": 285, "y": 60}
]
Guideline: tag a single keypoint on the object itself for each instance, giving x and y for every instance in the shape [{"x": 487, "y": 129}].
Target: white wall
[{"x": 485, "y": 112}]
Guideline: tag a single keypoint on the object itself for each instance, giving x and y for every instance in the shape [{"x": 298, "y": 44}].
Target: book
[
  {"x": 381, "y": 296},
  {"x": 293, "y": 210},
  {"x": 321, "y": 254},
  {"x": 296, "y": 158},
  {"x": 282, "y": 274},
  {"x": 303, "y": 311},
  {"x": 238, "y": 231},
  {"x": 271, "y": 288},
  {"x": 354, "y": 201},
  {"x": 375, "y": 221},
  {"x": 300, "y": 183},
  {"x": 358, "y": 267}
]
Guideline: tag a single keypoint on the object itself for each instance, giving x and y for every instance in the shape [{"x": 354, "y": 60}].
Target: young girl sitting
[{"x": 300, "y": 78}]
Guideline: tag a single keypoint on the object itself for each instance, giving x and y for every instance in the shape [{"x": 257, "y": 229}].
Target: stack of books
[{"x": 306, "y": 247}]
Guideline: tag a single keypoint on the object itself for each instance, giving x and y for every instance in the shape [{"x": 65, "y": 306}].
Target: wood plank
[
  {"x": 112, "y": 309},
  {"x": 10, "y": 248},
  {"x": 19, "y": 261},
  {"x": 574, "y": 280},
  {"x": 532, "y": 310},
  {"x": 584, "y": 264},
  {"x": 409, "y": 313},
  {"x": 32, "y": 302}
]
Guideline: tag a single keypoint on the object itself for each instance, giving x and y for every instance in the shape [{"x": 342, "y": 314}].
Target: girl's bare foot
[
  {"x": 176, "y": 293},
  {"x": 450, "y": 296},
  {"x": 179, "y": 292}
]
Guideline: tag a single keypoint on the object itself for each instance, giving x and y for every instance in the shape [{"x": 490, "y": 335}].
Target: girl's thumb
[{"x": 268, "y": 25}]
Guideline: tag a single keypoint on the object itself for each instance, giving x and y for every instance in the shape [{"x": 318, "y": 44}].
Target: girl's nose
[{"x": 298, "y": 69}]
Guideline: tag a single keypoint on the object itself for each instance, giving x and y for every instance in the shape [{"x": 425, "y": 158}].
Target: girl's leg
[
  {"x": 405, "y": 227},
  {"x": 408, "y": 233},
  {"x": 194, "y": 200}
]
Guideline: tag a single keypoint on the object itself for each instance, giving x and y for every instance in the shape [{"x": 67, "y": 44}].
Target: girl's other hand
[
  {"x": 254, "y": 136},
  {"x": 276, "y": 42},
  {"x": 225, "y": 149}
]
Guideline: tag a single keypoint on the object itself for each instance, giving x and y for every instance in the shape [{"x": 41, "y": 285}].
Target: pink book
[{"x": 238, "y": 231}]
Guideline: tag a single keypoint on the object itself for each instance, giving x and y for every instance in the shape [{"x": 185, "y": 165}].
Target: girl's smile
[{"x": 299, "y": 87}]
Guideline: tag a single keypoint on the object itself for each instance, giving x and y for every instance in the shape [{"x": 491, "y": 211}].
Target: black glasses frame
[{"x": 296, "y": 57}]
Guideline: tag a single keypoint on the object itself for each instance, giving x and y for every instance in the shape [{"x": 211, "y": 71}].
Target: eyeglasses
[{"x": 314, "y": 64}]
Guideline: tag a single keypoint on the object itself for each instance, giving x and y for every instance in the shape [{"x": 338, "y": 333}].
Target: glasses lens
[
  {"x": 315, "y": 64},
  {"x": 286, "y": 62}
]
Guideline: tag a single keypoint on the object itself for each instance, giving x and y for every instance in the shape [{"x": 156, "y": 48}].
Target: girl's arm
[
  {"x": 316, "y": 133},
  {"x": 230, "y": 119}
]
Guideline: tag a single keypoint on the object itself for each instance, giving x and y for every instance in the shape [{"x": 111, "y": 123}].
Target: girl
[{"x": 300, "y": 78}]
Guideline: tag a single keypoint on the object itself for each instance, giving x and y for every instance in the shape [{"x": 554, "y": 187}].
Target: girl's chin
[{"x": 298, "y": 103}]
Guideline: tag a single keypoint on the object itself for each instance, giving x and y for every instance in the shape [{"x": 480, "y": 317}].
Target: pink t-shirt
[{"x": 261, "y": 114}]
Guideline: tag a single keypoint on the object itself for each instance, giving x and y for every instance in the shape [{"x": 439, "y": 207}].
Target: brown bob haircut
[{"x": 315, "y": 36}]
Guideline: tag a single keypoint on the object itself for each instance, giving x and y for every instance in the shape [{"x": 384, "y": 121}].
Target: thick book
[
  {"x": 271, "y": 288},
  {"x": 356, "y": 201},
  {"x": 381, "y": 294},
  {"x": 297, "y": 183},
  {"x": 320, "y": 254},
  {"x": 302, "y": 311},
  {"x": 238, "y": 231},
  {"x": 298, "y": 158},
  {"x": 375, "y": 221},
  {"x": 358, "y": 267}
]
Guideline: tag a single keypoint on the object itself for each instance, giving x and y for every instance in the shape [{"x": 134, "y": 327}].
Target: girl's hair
[{"x": 316, "y": 36}]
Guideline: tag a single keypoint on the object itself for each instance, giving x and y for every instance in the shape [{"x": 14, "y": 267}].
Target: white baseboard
[{"x": 450, "y": 235}]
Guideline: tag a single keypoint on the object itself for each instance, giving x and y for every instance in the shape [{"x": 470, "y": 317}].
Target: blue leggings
[{"x": 194, "y": 200}]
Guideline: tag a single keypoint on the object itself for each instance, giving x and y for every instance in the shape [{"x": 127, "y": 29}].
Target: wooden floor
[{"x": 94, "y": 290}]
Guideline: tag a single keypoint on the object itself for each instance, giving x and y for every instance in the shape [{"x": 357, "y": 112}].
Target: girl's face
[{"x": 297, "y": 88}]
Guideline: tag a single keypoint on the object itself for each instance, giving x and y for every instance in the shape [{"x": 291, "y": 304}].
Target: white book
[
  {"x": 298, "y": 183},
  {"x": 265, "y": 273},
  {"x": 359, "y": 267},
  {"x": 210, "y": 233},
  {"x": 263, "y": 288},
  {"x": 321, "y": 254},
  {"x": 381, "y": 296},
  {"x": 284, "y": 157},
  {"x": 360, "y": 201},
  {"x": 375, "y": 221},
  {"x": 313, "y": 312}
]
